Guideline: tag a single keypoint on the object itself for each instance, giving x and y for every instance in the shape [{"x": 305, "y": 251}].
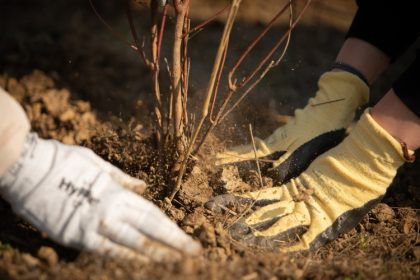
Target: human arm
[{"x": 81, "y": 201}]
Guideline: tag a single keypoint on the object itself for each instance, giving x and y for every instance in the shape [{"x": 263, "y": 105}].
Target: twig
[
  {"x": 134, "y": 34},
  {"x": 266, "y": 70},
  {"x": 257, "y": 161},
  {"x": 170, "y": 103},
  {"x": 185, "y": 68},
  {"x": 254, "y": 43},
  {"x": 227, "y": 209},
  {"x": 216, "y": 91},
  {"x": 222, "y": 114},
  {"x": 162, "y": 30},
  {"x": 155, "y": 50},
  {"x": 328, "y": 102},
  {"x": 245, "y": 80},
  {"x": 259, "y": 177},
  {"x": 109, "y": 27},
  {"x": 207, "y": 21}
]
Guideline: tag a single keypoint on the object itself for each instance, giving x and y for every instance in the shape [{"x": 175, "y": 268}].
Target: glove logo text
[{"x": 81, "y": 193}]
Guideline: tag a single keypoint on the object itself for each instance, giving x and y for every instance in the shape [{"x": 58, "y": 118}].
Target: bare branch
[
  {"x": 216, "y": 91},
  {"x": 257, "y": 161},
  {"x": 254, "y": 43},
  {"x": 134, "y": 34},
  {"x": 155, "y": 45},
  {"x": 185, "y": 68},
  {"x": 162, "y": 29},
  {"x": 271, "y": 52},
  {"x": 109, "y": 27},
  {"x": 207, "y": 21},
  {"x": 181, "y": 9},
  {"x": 232, "y": 89},
  {"x": 272, "y": 64}
]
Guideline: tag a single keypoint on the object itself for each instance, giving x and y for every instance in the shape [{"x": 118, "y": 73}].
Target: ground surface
[{"x": 80, "y": 85}]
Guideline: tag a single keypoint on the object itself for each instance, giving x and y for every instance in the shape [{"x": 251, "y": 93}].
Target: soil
[{"x": 80, "y": 85}]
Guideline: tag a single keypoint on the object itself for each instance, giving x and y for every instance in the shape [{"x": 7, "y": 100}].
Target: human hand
[
  {"x": 327, "y": 199},
  {"x": 313, "y": 130},
  {"x": 78, "y": 199}
]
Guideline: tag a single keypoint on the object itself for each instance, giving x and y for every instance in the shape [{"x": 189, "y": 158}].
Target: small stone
[
  {"x": 68, "y": 115},
  {"x": 83, "y": 106},
  {"x": 89, "y": 118},
  {"x": 68, "y": 139},
  {"x": 195, "y": 190},
  {"x": 82, "y": 135},
  {"x": 206, "y": 234},
  {"x": 48, "y": 255},
  {"x": 383, "y": 213},
  {"x": 407, "y": 224},
  {"x": 230, "y": 180},
  {"x": 416, "y": 252},
  {"x": 195, "y": 219},
  {"x": 16, "y": 89},
  {"x": 176, "y": 214},
  {"x": 29, "y": 260}
]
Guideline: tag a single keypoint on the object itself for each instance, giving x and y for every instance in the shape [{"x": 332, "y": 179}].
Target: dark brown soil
[{"x": 81, "y": 86}]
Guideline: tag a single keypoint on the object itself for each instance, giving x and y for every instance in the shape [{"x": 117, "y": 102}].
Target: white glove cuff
[{"x": 23, "y": 173}]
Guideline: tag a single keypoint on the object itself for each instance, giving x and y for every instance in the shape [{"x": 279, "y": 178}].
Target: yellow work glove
[
  {"x": 314, "y": 129},
  {"x": 327, "y": 199}
]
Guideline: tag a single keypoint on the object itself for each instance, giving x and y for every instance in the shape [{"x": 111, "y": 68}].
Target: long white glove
[{"x": 77, "y": 198}]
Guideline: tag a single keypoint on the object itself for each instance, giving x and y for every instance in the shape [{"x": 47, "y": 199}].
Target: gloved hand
[
  {"x": 78, "y": 199},
  {"x": 327, "y": 199},
  {"x": 315, "y": 129}
]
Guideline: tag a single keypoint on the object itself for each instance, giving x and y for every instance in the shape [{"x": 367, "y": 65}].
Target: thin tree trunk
[{"x": 181, "y": 8}]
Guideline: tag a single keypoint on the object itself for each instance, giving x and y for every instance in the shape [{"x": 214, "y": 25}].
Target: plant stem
[
  {"x": 181, "y": 8},
  {"x": 210, "y": 90},
  {"x": 138, "y": 45},
  {"x": 155, "y": 50}
]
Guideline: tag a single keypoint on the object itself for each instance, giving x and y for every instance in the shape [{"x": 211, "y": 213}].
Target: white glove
[{"x": 77, "y": 198}]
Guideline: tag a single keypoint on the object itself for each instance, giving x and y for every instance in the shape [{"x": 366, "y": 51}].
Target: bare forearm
[
  {"x": 14, "y": 126},
  {"x": 366, "y": 58}
]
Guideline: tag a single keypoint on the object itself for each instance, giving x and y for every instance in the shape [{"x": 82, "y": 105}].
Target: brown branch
[
  {"x": 207, "y": 21},
  {"x": 255, "y": 42},
  {"x": 185, "y": 68},
  {"x": 221, "y": 114},
  {"x": 109, "y": 27},
  {"x": 134, "y": 34},
  {"x": 259, "y": 177},
  {"x": 271, "y": 52},
  {"x": 257, "y": 161},
  {"x": 169, "y": 114},
  {"x": 242, "y": 97},
  {"x": 271, "y": 65},
  {"x": 216, "y": 91},
  {"x": 154, "y": 43},
  {"x": 162, "y": 30},
  {"x": 181, "y": 9}
]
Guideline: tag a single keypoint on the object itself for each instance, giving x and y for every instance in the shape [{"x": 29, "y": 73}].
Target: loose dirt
[{"x": 79, "y": 86}]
